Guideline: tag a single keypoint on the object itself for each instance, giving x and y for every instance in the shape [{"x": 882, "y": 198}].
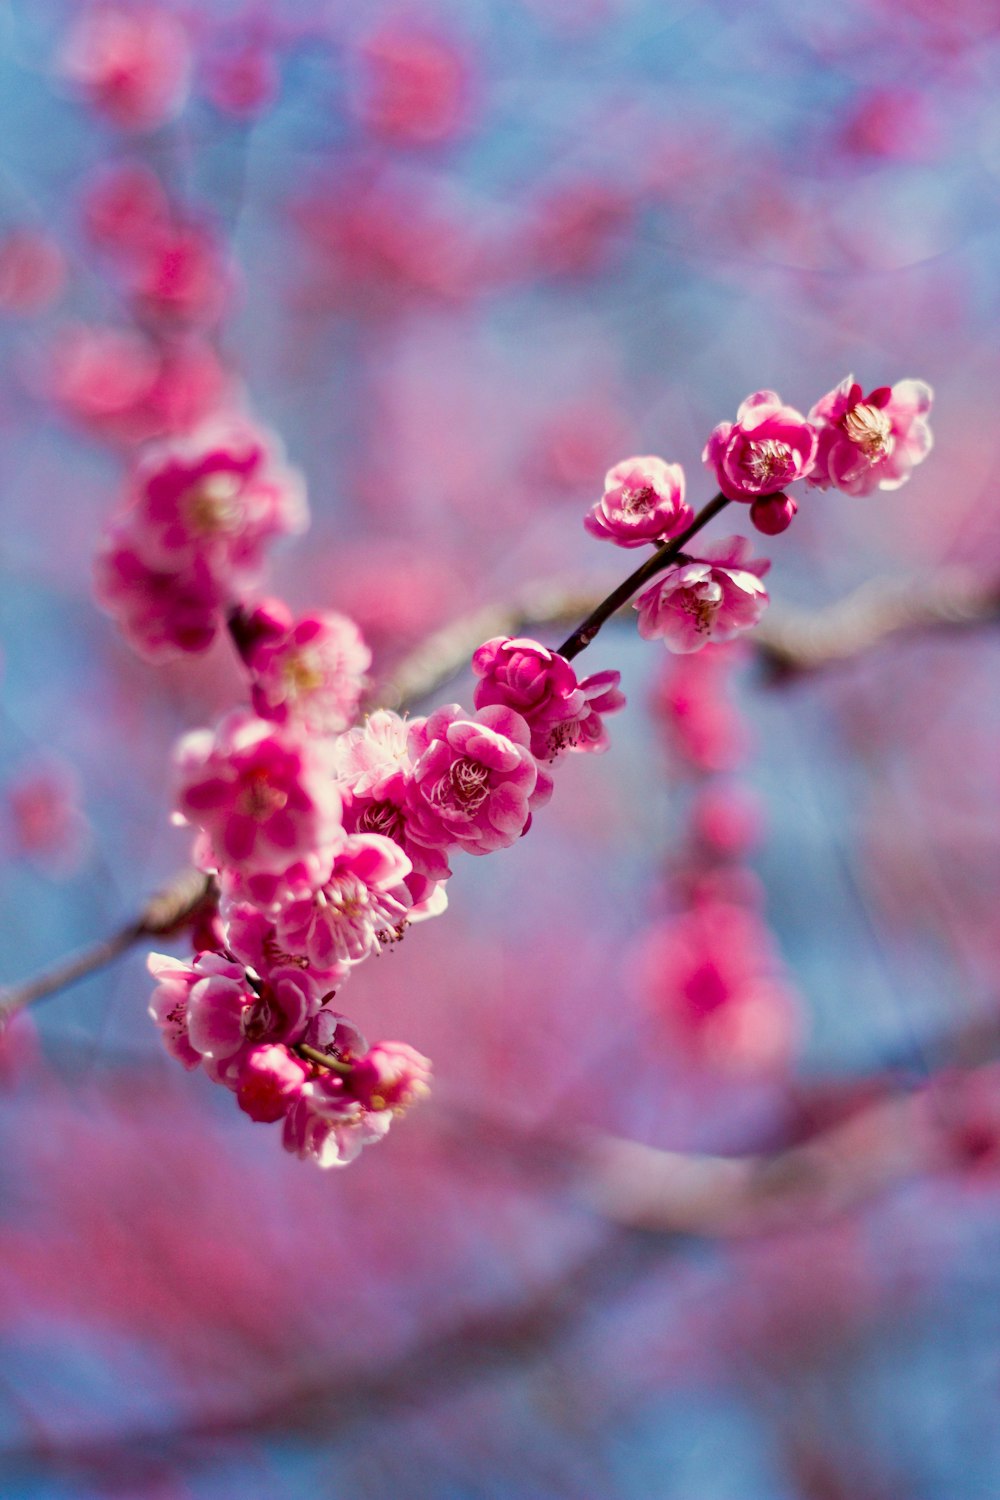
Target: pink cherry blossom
[
  {"x": 132, "y": 64},
  {"x": 313, "y": 674},
  {"x": 769, "y": 446},
  {"x": 161, "y": 613},
  {"x": 264, "y": 798},
  {"x": 540, "y": 685},
  {"x": 391, "y": 1075},
  {"x": 252, "y": 936},
  {"x": 475, "y": 781},
  {"x": 215, "y": 1010},
  {"x": 375, "y": 766},
  {"x": 712, "y": 599},
  {"x": 643, "y": 502},
  {"x": 219, "y": 496},
  {"x": 326, "y": 1125},
  {"x": 175, "y": 982},
  {"x": 715, "y": 980},
  {"x": 270, "y": 1082},
  {"x": 871, "y": 441},
  {"x": 370, "y": 757},
  {"x": 359, "y": 906}
]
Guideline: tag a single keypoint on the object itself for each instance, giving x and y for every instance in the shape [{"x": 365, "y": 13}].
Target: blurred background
[{"x": 463, "y": 257}]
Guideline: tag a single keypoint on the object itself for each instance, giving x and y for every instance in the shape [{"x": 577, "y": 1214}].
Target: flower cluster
[
  {"x": 326, "y": 834},
  {"x": 192, "y": 539},
  {"x": 849, "y": 441}
]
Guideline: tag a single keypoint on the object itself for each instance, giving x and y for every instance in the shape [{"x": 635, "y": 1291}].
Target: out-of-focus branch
[
  {"x": 788, "y": 641},
  {"x": 876, "y": 1142},
  {"x": 793, "y": 641},
  {"x": 167, "y": 911},
  {"x": 473, "y": 1347}
]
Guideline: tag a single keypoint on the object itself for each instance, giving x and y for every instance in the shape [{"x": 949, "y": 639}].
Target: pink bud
[{"x": 773, "y": 514}]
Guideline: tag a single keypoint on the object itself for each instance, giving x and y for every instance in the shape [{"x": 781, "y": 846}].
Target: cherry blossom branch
[
  {"x": 789, "y": 642},
  {"x": 167, "y": 911},
  {"x": 661, "y": 558}
]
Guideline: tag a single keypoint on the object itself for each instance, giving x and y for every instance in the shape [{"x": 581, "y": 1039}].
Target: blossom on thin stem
[
  {"x": 475, "y": 780},
  {"x": 563, "y": 714},
  {"x": 871, "y": 441},
  {"x": 713, "y": 598},
  {"x": 769, "y": 446},
  {"x": 643, "y": 502},
  {"x": 312, "y": 674}
]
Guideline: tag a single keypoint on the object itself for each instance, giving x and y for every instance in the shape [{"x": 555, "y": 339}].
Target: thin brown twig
[{"x": 167, "y": 911}]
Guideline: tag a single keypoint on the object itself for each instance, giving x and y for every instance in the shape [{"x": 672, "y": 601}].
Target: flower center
[
  {"x": 638, "y": 502},
  {"x": 563, "y": 736},
  {"x": 303, "y": 673},
  {"x": 346, "y": 896},
  {"x": 769, "y": 462},
  {"x": 701, "y": 604},
  {"x": 384, "y": 818},
  {"x": 468, "y": 784},
  {"x": 870, "y": 430},
  {"x": 258, "y": 799},
  {"x": 213, "y": 505}
]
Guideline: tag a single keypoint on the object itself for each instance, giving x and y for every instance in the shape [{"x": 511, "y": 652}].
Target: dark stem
[{"x": 661, "y": 558}]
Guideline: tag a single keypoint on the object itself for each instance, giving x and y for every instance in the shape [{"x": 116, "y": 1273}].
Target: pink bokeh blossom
[
  {"x": 132, "y": 64},
  {"x": 713, "y": 977},
  {"x": 263, "y": 798}
]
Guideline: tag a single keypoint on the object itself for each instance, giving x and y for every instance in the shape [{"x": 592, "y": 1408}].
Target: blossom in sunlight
[
  {"x": 562, "y": 713},
  {"x": 873, "y": 441},
  {"x": 769, "y": 446},
  {"x": 361, "y": 904},
  {"x": 712, "y": 599},
  {"x": 475, "y": 779},
  {"x": 643, "y": 502}
]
